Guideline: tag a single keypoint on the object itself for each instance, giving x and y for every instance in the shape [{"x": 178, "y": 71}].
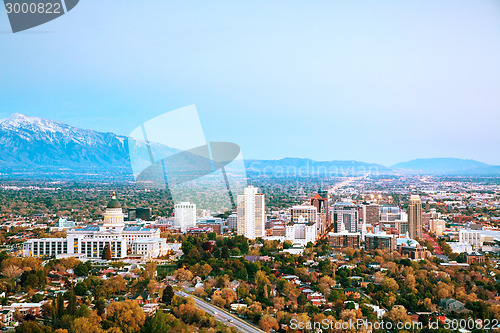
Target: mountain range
[{"x": 36, "y": 147}]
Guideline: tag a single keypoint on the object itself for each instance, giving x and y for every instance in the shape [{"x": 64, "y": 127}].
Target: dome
[{"x": 113, "y": 203}]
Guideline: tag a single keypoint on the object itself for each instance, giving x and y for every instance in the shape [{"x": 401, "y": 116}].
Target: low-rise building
[
  {"x": 415, "y": 252},
  {"x": 344, "y": 239},
  {"x": 380, "y": 241}
]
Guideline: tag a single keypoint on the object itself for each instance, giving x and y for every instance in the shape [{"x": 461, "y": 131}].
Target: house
[
  {"x": 6, "y": 316},
  {"x": 380, "y": 312},
  {"x": 234, "y": 284},
  {"x": 292, "y": 278},
  {"x": 238, "y": 306},
  {"x": 26, "y": 308},
  {"x": 452, "y": 305},
  {"x": 257, "y": 258},
  {"x": 351, "y": 291},
  {"x": 316, "y": 298},
  {"x": 356, "y": 305},
  {"x": 141, "y": 298},
  {"x": 150, "y": 309},
  {"x": 364, "y": 283}
]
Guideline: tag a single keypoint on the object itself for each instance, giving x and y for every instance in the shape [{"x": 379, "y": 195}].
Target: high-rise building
[
  {"x": 185, "y": 215},
  {"x": 140, "y": 213},
  {"x": 302, "y": 227},
  {"x": 345, "y": 217},
  {"x": 371, "y": 214},
  {"x": 251, "y": 213},
  {"x": 232, "y": 222},
  {"x": 320, "y": 201},
  {"x": 415, "y": 217},
  {"x": 308, "y": 213}
]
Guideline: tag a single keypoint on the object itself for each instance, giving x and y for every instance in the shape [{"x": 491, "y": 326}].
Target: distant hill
[
  {"x": 35, "y": 147},
  {"x": 441, "y": 166},
  {"x": 303, "y": 167}
]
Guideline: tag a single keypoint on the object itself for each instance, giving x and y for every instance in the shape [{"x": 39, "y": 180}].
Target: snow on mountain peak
[{"x": 18, "y": 120}]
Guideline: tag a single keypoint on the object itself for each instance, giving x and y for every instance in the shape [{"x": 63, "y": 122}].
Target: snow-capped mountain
[{"x": 31, "y": 144}]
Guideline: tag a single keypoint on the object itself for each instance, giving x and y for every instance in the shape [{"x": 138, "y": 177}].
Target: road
[
  {"x": 437, "y": 248},
  {"x": 221, "y": 315}
]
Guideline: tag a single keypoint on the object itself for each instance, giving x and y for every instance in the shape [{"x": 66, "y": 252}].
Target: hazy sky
[{"x": 378, "y": 81}]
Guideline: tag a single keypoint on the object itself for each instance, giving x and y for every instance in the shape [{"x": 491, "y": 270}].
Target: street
[{"x": 221, "y": 315}]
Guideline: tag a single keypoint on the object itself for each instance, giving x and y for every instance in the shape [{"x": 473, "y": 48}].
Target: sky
[{"x": 376, "y": 81}]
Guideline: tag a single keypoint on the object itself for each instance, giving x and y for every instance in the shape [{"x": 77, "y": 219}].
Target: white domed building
[{"x": 91, "y": 241}]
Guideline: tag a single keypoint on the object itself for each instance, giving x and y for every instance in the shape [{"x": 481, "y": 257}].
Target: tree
[
  {"x": 128, "y": 315},
  {"x": 398, "y": 314},
  {"x": 83, "y": 269},
  {"x": 183, "y": 275},
  {"x": 160, "y": 322},
  {"x": 85, "y": 325},
  {"x": 218, "y": 301},
  {"x": 149, "y": 270},
  {"x": 390, "y": 284},
  {"x": 229, "y": 295},
  {"x": 268, "y": 323},
  {"x": 12, "y": 271},
  {"x": 325, "y": 284},
  {"x": 106, "y": 252},
  {"x": 279, "y": 303},
  {"x": 70, "y": 262},
  {"x": 168, "y": 294},
  {"x": 189, "y": 312},
  {"x": 72, "y": 302},
  {"x": 116, "y": 284},
  {"x": 32, "y": 327}
]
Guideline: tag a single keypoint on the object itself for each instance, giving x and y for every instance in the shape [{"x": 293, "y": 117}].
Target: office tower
[
  {"x": 251, "y": 213},
  {"x": 415, "y": 217},
  {"x": 371, "y": 214},
  {"x": 302, "y": 227},
  {"x": 185, "y": 215},
  {"x": 345, "y": 217},
  {"x": 320, "y": 201},
  {"x": 232, "y": 222},
  {"x": 308, "y": 213},
  {"x": 140, "y": 213}
]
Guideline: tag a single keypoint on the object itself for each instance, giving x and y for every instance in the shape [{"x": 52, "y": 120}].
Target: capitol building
[{"x": 90, "y": 242}]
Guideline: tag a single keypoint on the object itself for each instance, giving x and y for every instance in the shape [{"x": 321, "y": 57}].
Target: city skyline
[{"x": 413, "y": 81}]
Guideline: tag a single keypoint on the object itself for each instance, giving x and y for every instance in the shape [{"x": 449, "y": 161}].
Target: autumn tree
[
  {"x": 128, "y": 315},
  {"x": 116, "y": 284},
  {"x": 229, "y": 295},
  {"x": 183, "y": 275},
  {"x": 218, "y": 301},
  {"x": 12, "y": 271},
  {"x": 268, "y": 323}
]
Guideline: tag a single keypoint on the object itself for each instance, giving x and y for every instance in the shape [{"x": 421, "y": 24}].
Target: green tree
[
  {"x": 168, "y": 294},
  {"x": 32, "y": 327}
]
